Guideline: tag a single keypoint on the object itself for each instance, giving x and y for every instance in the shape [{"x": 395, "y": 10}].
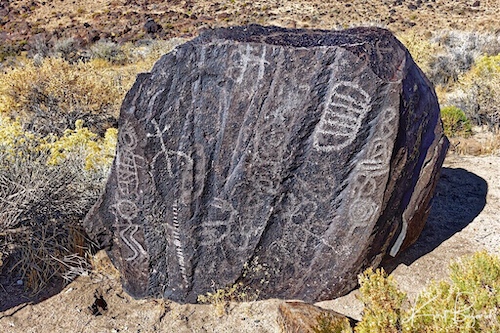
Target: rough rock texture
[
  {"x": 306, "y": 318},
  {"x": 287, "y": 160}
]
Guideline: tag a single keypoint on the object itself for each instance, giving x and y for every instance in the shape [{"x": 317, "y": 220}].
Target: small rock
[
  {"x": 152, "y": 27},
  {"x": 302, "y": 317}
]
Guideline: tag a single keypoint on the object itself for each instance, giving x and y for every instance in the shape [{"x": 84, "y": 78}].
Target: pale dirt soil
[{"x": 464, "y": 219}]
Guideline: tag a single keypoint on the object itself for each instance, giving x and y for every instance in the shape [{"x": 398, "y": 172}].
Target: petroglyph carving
[
  {"x": 242, "y": 61},
  {"x": 133, "y": 244},
  {"x": 177, "y": 241},
  {"x": 126, "y": 209},
  {"x": 344, "y": 113},
  {"x": 379, "y": 154},
  {"x": 126, "y": 161},
  {"x": 300, "y": 209},
  {"x": 269, "y": 144},
  {"x": 361, "y": 211},
  {"x": 365, "y": 203},
  {"x": 127, "y": 180},
  {"x": 220, "y": 221}
]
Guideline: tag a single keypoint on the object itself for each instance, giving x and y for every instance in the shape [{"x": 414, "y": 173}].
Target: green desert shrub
[
  {"x": 66, "y": 48},
  {"x": 328, "y": 323},
  {"x": 383, "y": 303},
  {"x": 48, "y": 94},
  {"x": 477, "y": 93},
  {"x": 109, "y": 51},
  {"x": 469, "y": 302},
  {"x": 421, "y": 49},
  {"x": 47, "y": 185},
  {"x": 455, "y": 122}
]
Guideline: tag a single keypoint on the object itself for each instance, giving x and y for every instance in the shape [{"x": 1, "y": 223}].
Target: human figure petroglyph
[
  {"x": 346, "y": 107},
  {"x": 180, "y": 163},
  {"x": 164, "y": 151}
]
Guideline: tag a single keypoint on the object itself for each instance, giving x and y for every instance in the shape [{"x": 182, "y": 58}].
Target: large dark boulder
[{"x": 287, "y": 160}]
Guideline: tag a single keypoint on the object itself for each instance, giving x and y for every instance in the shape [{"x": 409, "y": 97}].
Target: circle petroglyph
[
  {"x": 127, "y": 137},
  {"x": 362, "y": 210},
  {"x": 127, "y": 209}
]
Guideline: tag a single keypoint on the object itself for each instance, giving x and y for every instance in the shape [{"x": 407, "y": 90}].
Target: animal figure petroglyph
[{"x": 346, "y": 107}]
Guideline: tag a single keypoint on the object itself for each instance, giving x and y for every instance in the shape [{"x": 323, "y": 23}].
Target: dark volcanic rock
[
  {"x": 287, "y": 160},
  {"x": 152, "y": 27}
]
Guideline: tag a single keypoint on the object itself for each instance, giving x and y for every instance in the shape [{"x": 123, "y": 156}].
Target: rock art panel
[{"x": 285, "y": 160}]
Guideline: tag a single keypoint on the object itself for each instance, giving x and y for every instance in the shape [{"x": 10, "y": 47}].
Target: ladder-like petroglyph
[
  {"x": 346, "y": 107},
  {"x": 176, "y": 234}
]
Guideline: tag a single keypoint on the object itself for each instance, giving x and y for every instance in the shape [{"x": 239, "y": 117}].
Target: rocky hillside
[{"x": 24, "y": 23}]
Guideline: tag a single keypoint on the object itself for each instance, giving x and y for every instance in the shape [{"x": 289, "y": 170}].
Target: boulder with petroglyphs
[{"x": 285, "y": 160}]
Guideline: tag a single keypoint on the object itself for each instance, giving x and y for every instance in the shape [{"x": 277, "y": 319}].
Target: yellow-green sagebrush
[
  {"x": 469, "y": 303},
  {"x": 47, "y": 184}
]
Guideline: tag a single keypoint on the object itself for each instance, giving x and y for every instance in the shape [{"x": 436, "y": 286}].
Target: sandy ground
[{"x": 464, "y": 219}]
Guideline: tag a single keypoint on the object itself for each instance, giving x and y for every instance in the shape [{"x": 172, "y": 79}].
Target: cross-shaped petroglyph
[{"x": 165, "y": 152}]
